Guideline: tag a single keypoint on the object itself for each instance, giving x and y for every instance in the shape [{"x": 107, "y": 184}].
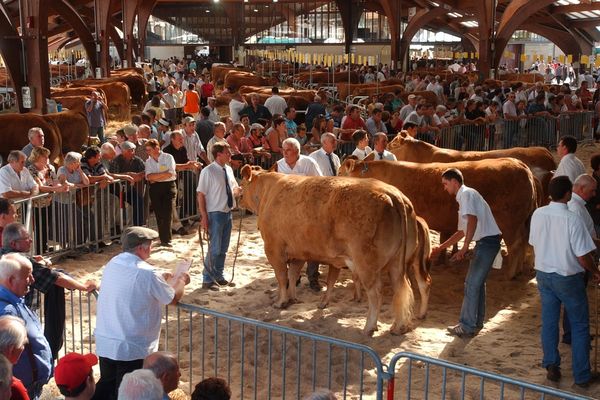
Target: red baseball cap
[{"x": 72, "y": 370}]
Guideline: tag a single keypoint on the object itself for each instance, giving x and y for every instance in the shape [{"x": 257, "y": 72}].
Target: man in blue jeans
[
  {"x": 563, "y": 251},
  {"x": 475, "y": 222},
  {"x": 216, "y": 191}
]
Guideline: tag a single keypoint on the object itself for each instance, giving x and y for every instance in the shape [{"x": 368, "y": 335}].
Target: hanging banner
[
  {"x": 523, "y": 57},
  {"x": 569, "y": 59}
]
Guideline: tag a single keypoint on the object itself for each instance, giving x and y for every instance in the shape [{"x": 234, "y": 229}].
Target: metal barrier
[
  {"x": 264, "y": 361},
  {"x": 504, "y": 133},
  {"x": 423, "y": 377}
]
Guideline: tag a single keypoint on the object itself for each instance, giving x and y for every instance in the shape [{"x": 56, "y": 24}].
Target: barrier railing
[
  {"x": 422, "y": 377},
  {"x": 260, "y": 360},
  {"x": 264, "y": 361}
]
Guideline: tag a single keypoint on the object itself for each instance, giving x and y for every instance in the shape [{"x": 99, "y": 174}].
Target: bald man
[{"x": 165, "y": 368}]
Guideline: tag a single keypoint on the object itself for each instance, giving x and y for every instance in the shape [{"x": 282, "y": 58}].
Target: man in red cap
[{"x": 74, "y": 376}]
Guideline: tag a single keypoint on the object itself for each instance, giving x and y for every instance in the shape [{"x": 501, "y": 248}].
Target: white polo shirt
[
  {"x": 570, "y": 166},
  {"x": 558, "y": 237},
  {"x": 212, "y": 184},
  {"x": 470, "y": 202},
  {"x": 577, "y": 205},
  {"x": 129, "y": 310},
  {"x": 362, "y": 154},
  {"x": 10, "y": 180},
  {"x": 323, "y": 161},
  {"x": 165, "y": 163},
  {"x": 276, "y": 105},
  {"x": 305, "y": 166},
  {"x": 386, "y": 156}
]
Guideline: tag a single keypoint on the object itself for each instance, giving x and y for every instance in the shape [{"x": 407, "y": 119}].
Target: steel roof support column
[{"x": 35, "y": 36}]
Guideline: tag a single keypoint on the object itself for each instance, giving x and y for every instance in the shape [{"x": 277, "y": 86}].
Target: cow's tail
[{"x": 403, "y": 300}]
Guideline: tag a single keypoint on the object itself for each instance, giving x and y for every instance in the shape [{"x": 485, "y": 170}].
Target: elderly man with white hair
[
  {"x": 36, "y": 139},
  {"x": 13, "y": 339},
  {"x": 15, "y": 180},
  {"x": 140, "y": 384},
  {"x": 15, "y": 279},
  {"x": 165, "y": 367},
  {"x": 219, "y": 136}
]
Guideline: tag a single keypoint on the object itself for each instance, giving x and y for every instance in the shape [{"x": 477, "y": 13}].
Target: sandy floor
[{"x": 509, "y": 343}]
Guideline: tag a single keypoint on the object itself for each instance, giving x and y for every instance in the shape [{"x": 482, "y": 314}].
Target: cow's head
[
  {"x": 348, "y": 166},
  {"x": 249, "y": 198}
]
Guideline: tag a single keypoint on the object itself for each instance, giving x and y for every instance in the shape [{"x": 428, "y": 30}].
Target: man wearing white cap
[{"x": 410, "y": 107}]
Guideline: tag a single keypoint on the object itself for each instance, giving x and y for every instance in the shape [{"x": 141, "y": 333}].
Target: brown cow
[
  {"x": 136, "y": 86},
  {"x": 78, "y": 91},
  {"x": 218, "y": 71},
  {"x": 74, "y": 129},
  {"x": 324, "y": 77},
  {"x": 506, "y": 184},
  {"x": 345, "y": 89},
  {"x": 13, "y": 136},
  {"x": 539, "y": 159},
  {"x": 235, "y": 79},
  {"x": 117, "y": 95},
  {"x": 386, "y": 243},
  {"x": 429, "y": 96},
  {"x": 76, "y": 103}
]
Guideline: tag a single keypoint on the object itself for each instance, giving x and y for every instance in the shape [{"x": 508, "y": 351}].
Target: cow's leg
[
  {"x": 332, "y": 276},
  {"x": 357, "y": 288},
  {"x": 373, "y": 289},
  {"x": 516, "y": 245},
  {"x": 402, "y": 305},
  {"x": 424, "y": 282},
  {"x": 279, "y": 264},
  {"x": 293, "y": 274}
]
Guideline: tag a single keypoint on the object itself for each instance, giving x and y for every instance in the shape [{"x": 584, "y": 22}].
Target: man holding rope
[{"x": 217, "y": 189}]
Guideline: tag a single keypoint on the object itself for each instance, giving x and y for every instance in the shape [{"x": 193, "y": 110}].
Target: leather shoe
[
  {"x": 315, "y": 286},
  {"x": 210, "y": 286},
  {"x": 553, "y": 373},
  {"x": 225, "y": 282},
  {"x": 182, "y": 231}
]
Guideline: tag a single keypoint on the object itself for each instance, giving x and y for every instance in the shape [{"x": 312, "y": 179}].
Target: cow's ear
[
  {"x": 403, "y": 134},
  {"x": 350, "y": 163},
  {"x": 370, "y": 157},
  {"x": 246, "y": 172}
]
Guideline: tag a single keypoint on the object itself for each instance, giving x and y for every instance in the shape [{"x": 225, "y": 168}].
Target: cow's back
[
  {"x": 13, "y": 136},
  {"x": 73, "y": 127}
]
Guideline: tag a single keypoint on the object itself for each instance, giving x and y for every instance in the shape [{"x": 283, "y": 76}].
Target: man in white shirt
[
  {"x": 192, "y": 143},
  {"x": 294, "y": 163},
  {"x": 475, "y": 223},
  {"x": 36, "y": 139},
  {"x": 219, "y": 136},
  {"x": 214, "y": 113},
  {"x": 569, "y": 165},
  {"x": 216, "y": 192},
  {"x": 329, "y": 162},
  {"x": 380, "y": 142},
  {"x": 410, "y": 107},
  {"x": 15, "y": 180},
  {"x": 129, "y": 310},
  {"x": 276, "y": 104},
  {"x": 563, "y": 251}
]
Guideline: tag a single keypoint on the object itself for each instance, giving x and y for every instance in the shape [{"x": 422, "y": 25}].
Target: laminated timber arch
[
  {"x": 514, "y": 16},
  {"x": 423, "y": 17},
  {"x": 66, "y": 10},
  {"x": 10, "y": 48}
]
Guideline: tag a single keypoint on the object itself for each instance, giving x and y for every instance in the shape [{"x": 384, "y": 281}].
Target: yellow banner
[
  {"x": 585, "y": 60},
  {"x": 523, "y": 57},
  {"x": 569, "y": 58},
  {"x": 597, "y": 62}
]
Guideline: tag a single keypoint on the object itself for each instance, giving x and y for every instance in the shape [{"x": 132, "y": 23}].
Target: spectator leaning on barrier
[
  {"x": 8, "y": 215},
  {"x": 127, "y": 163},
  {"x": 140, "y": 385},
  {"x": 131, "y": 287},
  {"x": 212, "y": 389},
  {"x": 15, "y": 180},
  {"x": 74, "y": 376},
  {"x": 36, "y": 139},
  {"x": 569, "y": 164},
  {"x": 13, "y": 339},
  {"x": 165, "y": 368},
  {"x": 34, "y": 367},
  {"x": 219, "y": 137}
]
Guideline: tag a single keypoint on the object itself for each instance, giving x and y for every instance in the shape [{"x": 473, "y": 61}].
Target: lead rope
[{"x": 208, "y": 264}]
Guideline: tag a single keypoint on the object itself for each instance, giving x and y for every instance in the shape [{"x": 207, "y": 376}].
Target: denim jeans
[
  {"x": 569, "y": 291},
  {"x": 472, "y": 312},
  {"x": 219, "y": 230}
]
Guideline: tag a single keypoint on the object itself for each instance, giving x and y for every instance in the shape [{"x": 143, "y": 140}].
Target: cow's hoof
[
  {"x": 421, "y": 316},
  {"x": 294, "y": 301},
  {"x": 369, "y": 332},
  {"x": 398, "y": 330},
  {"x": 322, "y": 305},
  {"x": 282, "y": 305}
]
